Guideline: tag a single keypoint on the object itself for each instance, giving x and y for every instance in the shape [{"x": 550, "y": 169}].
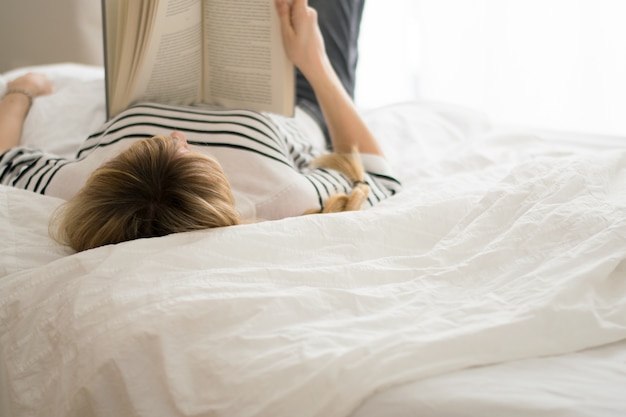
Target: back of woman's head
[{"x": 151, "y": 189}]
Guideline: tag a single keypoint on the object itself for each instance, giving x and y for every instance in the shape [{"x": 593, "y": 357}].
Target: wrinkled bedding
[{"x": 503, "y": 248}]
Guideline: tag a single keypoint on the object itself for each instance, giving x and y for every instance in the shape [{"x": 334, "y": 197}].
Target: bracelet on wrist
[{"x": 23, "y": 92}]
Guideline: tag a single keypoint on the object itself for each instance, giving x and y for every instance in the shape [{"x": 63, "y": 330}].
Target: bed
[{"x": 493, "y": 284}]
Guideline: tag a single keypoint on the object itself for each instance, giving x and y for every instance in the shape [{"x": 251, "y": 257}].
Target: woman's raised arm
[{"x": 304, "y": 45}]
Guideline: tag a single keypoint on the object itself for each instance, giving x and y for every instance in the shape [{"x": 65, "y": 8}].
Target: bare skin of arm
[
  {"x": 304, "y": 45},
  {"x": 14, "y": 107}
]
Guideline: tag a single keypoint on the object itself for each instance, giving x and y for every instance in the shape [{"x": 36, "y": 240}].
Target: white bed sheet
[
  {"x": 590, "y": 383},
  {"x": 504, "y": 257}
]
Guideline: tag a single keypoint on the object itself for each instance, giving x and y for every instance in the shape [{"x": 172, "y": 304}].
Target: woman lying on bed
[{"x": 157, "y": 169}]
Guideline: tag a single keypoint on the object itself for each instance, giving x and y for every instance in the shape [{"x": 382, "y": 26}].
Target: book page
[
  {"x": 133, "y": 22},
  {"x": 157, "y": 51},
  {"x": 172, "y": 64},
  {"x": 245, "y": 63},
  {"x": 110, "y": 36},
  {"x": 142, "y": 34}
]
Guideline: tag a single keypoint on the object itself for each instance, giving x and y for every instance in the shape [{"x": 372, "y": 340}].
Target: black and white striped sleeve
[
  {"x": 379, "y": 175},
  {"x": 28, "y": 168}
]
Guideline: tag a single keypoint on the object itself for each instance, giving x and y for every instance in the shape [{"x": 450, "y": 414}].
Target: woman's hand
[
  {"x": 35, "y": 84},
  {"x": 15, "y": 104},
  {"x": 302, "y": 38}
]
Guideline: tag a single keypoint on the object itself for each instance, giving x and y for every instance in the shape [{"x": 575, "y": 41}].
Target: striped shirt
[{"x": 265, "y": 158}]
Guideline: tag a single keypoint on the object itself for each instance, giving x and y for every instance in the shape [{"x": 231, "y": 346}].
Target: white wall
[
  {"x": 388, "y": 68},
  {"x": 34, "y": 32},
  {"x": 556, "y": 64}
]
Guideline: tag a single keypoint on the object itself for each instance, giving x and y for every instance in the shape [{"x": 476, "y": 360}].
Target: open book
[{"x": 223, "y": 52}]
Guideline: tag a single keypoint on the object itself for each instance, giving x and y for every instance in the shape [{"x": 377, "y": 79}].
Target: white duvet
[{"x": 500, "y": 247}]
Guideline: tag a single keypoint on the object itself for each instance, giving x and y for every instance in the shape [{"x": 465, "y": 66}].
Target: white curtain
[{"x": 552, "y": 64}]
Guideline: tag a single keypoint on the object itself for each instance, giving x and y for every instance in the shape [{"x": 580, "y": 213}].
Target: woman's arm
[
  {"x": 15, "y": 104},
  {"x": 304, "y": 45}
]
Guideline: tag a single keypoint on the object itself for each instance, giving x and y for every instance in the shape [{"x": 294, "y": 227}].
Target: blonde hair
[
  {"x": 350, "y": 165},
  {"x": 151, "y": 189}
]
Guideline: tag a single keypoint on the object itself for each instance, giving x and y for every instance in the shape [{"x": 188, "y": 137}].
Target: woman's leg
[{"x": 340, "y": 23}]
